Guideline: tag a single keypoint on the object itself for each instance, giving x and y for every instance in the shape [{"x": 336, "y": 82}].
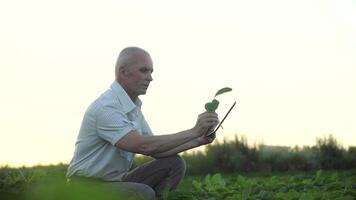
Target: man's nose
[{"x": 149, "y": 77}]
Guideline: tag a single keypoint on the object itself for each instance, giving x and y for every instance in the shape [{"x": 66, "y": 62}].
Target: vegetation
[
  {"x": 237, "y": 156},
  {"x": 225, "y": 170},
  {"x": 214, "y": 104},
  {"x": 321, "y": 185},
  {"x": 49, "y": 183}
]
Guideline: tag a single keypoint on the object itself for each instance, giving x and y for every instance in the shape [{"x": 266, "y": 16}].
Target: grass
[
  {"x": 49, "y": 183},
  {"x": 238, "y": 171}
]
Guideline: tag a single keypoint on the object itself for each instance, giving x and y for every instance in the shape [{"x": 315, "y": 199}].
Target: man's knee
[
  {"x": 180, "y": 162},
  {"x": 177, "y": 162},
  {"x": 146, "y": 192},
  {"x": 140, "y": 190}
]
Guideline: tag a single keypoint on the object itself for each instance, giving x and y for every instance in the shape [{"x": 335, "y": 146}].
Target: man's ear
[{"x": 123, "y": 70}]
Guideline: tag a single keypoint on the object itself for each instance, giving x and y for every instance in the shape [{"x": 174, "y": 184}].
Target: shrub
[
  {"x": 237, "y": 156},
  {"x": 330, "y": 153}
]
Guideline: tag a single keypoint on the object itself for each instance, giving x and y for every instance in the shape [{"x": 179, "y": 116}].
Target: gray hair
[{"x": 127, "y": 57}]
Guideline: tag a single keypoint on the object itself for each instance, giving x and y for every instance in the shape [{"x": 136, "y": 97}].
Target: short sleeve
[
  {"x": 146, "y": 130},
  {"x": 113, "y": 124}
]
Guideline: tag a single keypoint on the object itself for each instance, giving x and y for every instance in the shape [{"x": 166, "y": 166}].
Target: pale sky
[{"x": 291, "y": 64}]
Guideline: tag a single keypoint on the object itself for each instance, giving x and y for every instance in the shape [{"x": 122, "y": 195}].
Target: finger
[
  {"x": 208, "y": 114},
  {"x": 210, "y": 139},
  {"x": 211, "y": 114},
  {"x": 212, "y": 124},
  {"x": 209, "y": 121},
  {"x": 210, "y": 118}
]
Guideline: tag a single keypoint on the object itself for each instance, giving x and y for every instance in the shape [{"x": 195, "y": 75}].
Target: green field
[
  {"x": 225, "y": 170},
  {"x": 48, "y": 182},
  {"x": 317, "y": 185}
]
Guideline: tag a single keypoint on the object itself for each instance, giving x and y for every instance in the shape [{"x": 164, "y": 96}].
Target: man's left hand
[{"x": 203, "y": 140}]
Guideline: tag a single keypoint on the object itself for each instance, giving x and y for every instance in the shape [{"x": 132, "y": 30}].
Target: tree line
[{"x": 237, "y": 156}]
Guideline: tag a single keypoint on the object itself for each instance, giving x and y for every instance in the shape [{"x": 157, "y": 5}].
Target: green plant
[
  {"x": 213, "y": 105},
  {"x": 301, "y": 185}
]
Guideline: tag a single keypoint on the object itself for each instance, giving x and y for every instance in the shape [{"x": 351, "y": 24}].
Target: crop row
[
  {"x": 49, "y": 183},
  {"x": 301, "y": 186}
]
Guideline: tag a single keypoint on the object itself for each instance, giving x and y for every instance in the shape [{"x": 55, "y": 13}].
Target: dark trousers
[{"x": 150, "y": 179}]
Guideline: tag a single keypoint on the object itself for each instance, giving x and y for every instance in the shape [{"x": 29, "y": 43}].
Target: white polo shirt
[{"x": 106, "y": 121}]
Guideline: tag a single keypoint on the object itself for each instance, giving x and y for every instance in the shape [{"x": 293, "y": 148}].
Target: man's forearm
[
  {"x": 165, "y": 143},
  {"x": 150, "y": 145},
  {"x": 186, "y": 146},
  {"x": 205, "y": 121}
]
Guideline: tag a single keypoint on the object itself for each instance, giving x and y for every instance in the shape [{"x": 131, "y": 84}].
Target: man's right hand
[{"x": 206, "y": 121}]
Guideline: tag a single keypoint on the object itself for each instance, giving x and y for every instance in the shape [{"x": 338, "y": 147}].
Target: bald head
[
  {"x": 133, "y": 71},
  {"x": 128, "y": 57}
]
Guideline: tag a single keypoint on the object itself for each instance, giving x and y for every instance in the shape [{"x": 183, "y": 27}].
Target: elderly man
[{"x": 114, "y": 129}]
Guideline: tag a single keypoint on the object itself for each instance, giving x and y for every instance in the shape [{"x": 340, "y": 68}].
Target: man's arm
[
  {"x": 151, "y": 145},
  {"x": 186, "y": 146}
]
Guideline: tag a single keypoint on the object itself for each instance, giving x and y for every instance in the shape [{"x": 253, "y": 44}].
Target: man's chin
[{"x": 143, "y": 92}]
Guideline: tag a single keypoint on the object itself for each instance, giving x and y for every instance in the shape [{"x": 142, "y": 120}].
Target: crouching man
[{"x": 114, "y": 130}]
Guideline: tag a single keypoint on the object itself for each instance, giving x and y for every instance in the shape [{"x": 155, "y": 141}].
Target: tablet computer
[{"x": 219, "y": 125}]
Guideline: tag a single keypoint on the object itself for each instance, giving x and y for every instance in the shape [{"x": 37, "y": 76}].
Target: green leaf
[
  {"x": 197, "y": 184},
  {"x": 212, "y": 106},
  {"x": 217, "y": 180},
  {"x": 223, "y": 90},
  {"x": 209, "y": 107},
  {"x": 207, "y": 179},
  {"x": 215, "y": 104}
]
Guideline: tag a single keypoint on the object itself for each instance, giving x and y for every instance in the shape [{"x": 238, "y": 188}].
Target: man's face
[{"x": 138, "y": 75}]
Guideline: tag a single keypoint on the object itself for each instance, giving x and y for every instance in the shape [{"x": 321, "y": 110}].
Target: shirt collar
[{"x": 128, "y": 104}]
